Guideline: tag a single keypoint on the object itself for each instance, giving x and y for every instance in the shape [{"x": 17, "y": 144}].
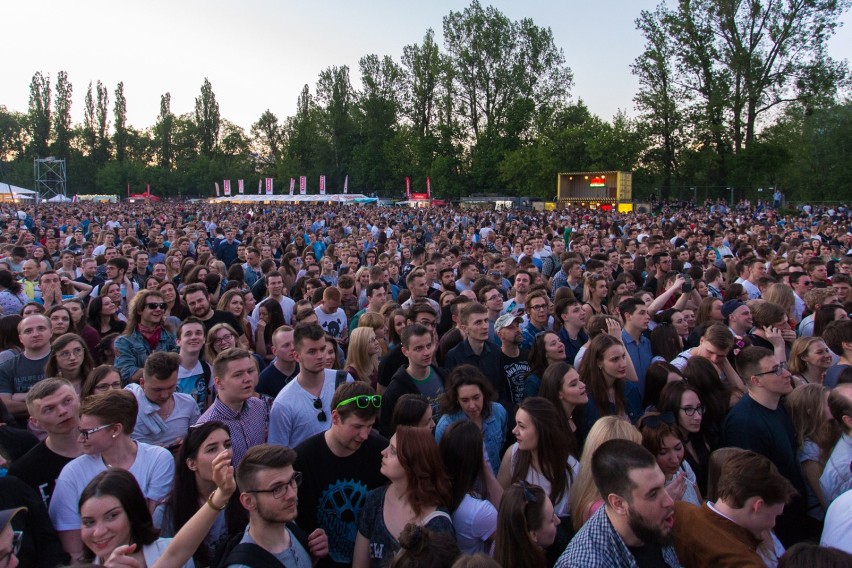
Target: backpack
[{"x": 248, "y": 554}]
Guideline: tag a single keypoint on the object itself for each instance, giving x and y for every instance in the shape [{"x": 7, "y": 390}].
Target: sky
[{"x": 258, "y": 54}]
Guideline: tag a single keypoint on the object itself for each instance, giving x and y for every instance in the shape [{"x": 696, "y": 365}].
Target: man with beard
[
  {"x": 197, "y": 299},
  {"x": 345, "y": 462},
  {"x": 269, "y": 486},
  {"x": 751, "y": 495},
  {"x": 634, "y": 527}
]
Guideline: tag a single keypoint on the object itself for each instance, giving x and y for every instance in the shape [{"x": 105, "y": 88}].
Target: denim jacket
[{"x": 132, "y": 350}]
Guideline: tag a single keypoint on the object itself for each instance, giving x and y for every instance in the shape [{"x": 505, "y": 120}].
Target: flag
[
  {"x": 268, "y": 186},
  {"x": 259, "y": 186},
  {"x": 240, "y": 186},
  {"x": 217, "y": 188},
  {"x": 148, "y": 190},
  {"x": 303, "y": 185},
  {"x": 292, "y": 185},
  {"x": 408, "y": 187},
  {"x": 428, "y": 188},
  {"x": 74, "y": 200},
  {"x": 227, "y": 185},
  {"x": 322, "y": 185},
  {"x": 128, "y": 190},
  {"x": 346, "y": 185}
]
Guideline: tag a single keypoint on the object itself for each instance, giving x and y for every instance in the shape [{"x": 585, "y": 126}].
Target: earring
[{"x": 113, "y": 435}]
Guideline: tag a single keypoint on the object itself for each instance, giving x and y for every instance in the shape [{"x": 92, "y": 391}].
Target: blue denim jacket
[{"x": 132, "y": 350}]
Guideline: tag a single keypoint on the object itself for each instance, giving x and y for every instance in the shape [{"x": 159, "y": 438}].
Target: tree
[
  {"x": 38, "y": 116},
  {"x": 102, "y": 124},
  {"x": 422, "y": 68},
  {"x": 120, "y": 117},
  {"x": 336, "y": 97},
  {"x": 90, "y": 137},
  {"x": 164, "y": 133},
  {"x": 62, "y": 130},
  {"x": 207, "y": 119},
  {"x": 12, "y": 134},
  {"x": 268, "y": 135}
]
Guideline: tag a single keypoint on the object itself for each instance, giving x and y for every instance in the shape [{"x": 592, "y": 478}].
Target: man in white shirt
[
  {"x": 331, "y": 316},
  {"x": 275, "y": 291}
]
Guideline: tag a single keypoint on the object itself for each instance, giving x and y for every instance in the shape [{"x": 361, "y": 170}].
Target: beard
[
  {"x": 648, "y": 533},
  {"x": 275, "y": 513}
]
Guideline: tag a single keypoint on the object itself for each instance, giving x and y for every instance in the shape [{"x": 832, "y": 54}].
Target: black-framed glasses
[
  {"x": 86, "y": 433},
  {"x": 156, "y": 305},
  {"x": 691, "y": 410},
  {"x": 657, "y": 420},
  {"x": 321, "y": 417},
  {"x": 539, "y": 307},
  {"x": 17, "y": 539},
  {"x": 779, "y": 370},
  {"x": 280, "y": 490},
  {"x": 363, "y": 401}
]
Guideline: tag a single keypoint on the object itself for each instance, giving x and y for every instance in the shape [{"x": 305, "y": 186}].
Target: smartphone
[{"x": 687, "y": 283}]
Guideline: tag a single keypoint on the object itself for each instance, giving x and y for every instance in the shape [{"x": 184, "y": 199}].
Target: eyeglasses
[
  {"x": 808, "y": 283},
  {"x": 655, "y": 421},
  {"x": 539, "y": 307},
  {"x": 321, "y": 417},
  {"x": 78, "y": 352},
  {"x": 363, "y": 401},
  {"x": 779, "y": 370},
  {"x": 691, "y": 410},
  {"x": 17, "y": 539},
  {"x": 223, "y": 338},
  {"x": 86, "y": 433},
  {"x": 156, "y": 305},
  {"x": 280, "y": 490},
  {"x": 427, "y": 323},
  {"x": 103, "y": 387}
]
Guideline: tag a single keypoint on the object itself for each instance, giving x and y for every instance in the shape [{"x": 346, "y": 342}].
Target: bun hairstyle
[{"x": 420, "y": 547}]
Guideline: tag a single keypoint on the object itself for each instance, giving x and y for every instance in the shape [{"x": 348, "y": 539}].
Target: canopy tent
[
  {"x": 60, "y": 199},
  {"x": 8, "y": 191},
  {"x": 145, "y": 195},
  {"x": 336, "y": 198}
]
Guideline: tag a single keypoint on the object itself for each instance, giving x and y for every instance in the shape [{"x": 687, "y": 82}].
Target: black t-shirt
[
  {"x": 224, "y": 317},
  {"x": 648, "y": 556},
  {"x": 332, "y": 495},
  {"x": 390, "y": 364},
  {"x": 271, "y": 380},
  {"x": 515, "y": 371},
  {"x": 39, "y": 469}
]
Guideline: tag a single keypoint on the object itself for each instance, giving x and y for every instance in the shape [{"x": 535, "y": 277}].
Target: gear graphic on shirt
[{"x": 337, "y": 513}]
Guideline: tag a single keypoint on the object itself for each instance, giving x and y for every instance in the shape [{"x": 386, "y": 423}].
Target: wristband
[{"x": 214, "y": 507}]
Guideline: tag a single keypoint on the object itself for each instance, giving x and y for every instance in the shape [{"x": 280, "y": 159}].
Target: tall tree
[
  {"x": 164, "y": 133},
  {"x": 336, "y": 98},
  {"x": 102, "y": 125},
  {"x": 269, "y": 137},
  {"x": 12, "y": 134},
  {"x": 38, "y": 116},
  {"x": 207, "y": 119},
  {"x": 422, "y": 67},
  {"x": 90, "y": 136},
  {"x": 62, "y": 130},
  {"x": 120, "y": 139}
]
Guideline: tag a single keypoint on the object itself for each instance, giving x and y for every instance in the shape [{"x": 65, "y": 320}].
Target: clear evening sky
[{"x": 259, "y": 53}]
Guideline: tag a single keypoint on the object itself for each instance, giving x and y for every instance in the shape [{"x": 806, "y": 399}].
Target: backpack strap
[
  {"x": 250, "y": 554},
  {"x": 339, "y": 378}
]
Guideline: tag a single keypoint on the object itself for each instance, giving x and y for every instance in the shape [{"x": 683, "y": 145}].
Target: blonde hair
[
  {"x": 584, "y": 492},
  {"x": 359, "y": 358},
  {"x": 782, "y": 295},
  {"x": 796, "y": 363}
]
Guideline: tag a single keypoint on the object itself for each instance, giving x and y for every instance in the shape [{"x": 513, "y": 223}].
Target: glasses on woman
[
  {"x": 65, "y": 355},
  {"x": 691, "y": 410},
  {"x": 86, "y": 433},
  {"x": 222, "y": 339},
  {"x": 17, "y": 539},
  {"x": 103, "y": 387}
]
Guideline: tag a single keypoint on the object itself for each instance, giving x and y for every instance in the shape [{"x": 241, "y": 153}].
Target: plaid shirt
[
  {"x": 597, "y": 545},
  {"x": 248, "y": 426}
]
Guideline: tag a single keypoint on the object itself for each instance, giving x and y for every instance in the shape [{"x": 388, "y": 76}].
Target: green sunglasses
[{"x": 363, "y": 401}]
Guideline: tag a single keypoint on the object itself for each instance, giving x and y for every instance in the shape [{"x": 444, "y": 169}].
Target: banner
[
  {"x": 268, "y": 186},
  {"x": 346, "y": 185},
  {"x": 428, "y": 188},
  {"x": 148, "y": 190},
  {"x": 407, "y": 187},
  {"x": 240, "y": 186},
  {"x": 217, "y": 188},
  {"x": 322, "y": 185},
  {"x": 227, "y": 185},
  {"x": 303, "y": 185},
  {"x": 292, "y": 185},
  {"x": 259, "y": 186}
]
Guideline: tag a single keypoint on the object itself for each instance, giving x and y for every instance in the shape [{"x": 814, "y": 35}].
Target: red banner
[
  {"x": 240, "y": 186},
  {"x": 407, "y": 187},
  {"x": 292, "y": 185},
  {"x": 227, "y": 185},
  {"x": 322, "y": 185},
  {"x": 303, "y": 185},
  {"x": 428, "y": 188},
  {"x": 268, "y": 186}
]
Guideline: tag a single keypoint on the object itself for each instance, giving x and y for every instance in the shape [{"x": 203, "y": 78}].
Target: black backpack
[{"x": 253, "y": 555}]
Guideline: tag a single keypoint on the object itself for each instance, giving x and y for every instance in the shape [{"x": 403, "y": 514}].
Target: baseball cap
[
  {"x": 730, "y": 307},
  {"x": 6, "y": 516},
  {"x": 505, "y": 321}
]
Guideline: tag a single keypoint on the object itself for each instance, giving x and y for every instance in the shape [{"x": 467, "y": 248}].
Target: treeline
[{"x": 730, "y": 96}]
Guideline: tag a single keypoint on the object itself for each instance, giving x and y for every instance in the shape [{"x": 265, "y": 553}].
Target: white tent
[
  {"x": 60, "y": 199},
  {"x": 15, "y": 191}
]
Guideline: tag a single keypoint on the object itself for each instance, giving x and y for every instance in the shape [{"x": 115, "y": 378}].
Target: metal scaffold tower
[{"x": 50, "y": 177}]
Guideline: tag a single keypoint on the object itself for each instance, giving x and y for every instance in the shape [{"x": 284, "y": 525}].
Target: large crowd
[{"x": 194, "y": 384}]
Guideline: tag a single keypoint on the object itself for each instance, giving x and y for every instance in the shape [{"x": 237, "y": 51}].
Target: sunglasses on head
[{"x": 363, "y": 401}]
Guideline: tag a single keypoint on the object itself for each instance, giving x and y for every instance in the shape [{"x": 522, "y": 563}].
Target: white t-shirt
[
  {"x": 475, "y": 521},
  {"x": 333, "y": 324},
  {"x": 838, "y": 523},
  {"x": 154, "y": 469},
  {"x": 294, "y": 418},
  {"x": 287, "y": 304}
]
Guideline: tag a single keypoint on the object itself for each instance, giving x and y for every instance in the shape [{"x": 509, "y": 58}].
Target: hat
[
  {"x": 6, "y": 516},
  {"x": 730, "y": 307},
  {"x": 505, "y": 321}
]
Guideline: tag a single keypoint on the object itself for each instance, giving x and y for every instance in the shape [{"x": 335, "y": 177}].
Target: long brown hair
[
  {"x": 592, "y": 374},
  {"x": 428, "y": 483}
]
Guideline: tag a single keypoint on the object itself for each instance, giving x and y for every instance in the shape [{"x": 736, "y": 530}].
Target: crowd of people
[{"x": 190, "y": 384}]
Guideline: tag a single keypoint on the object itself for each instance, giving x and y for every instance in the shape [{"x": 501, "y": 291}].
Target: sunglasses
[
  {"x": 363, "y": 401},
  {"x": 321, "y": 417},
  {"x": 156, "y": 305}
]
